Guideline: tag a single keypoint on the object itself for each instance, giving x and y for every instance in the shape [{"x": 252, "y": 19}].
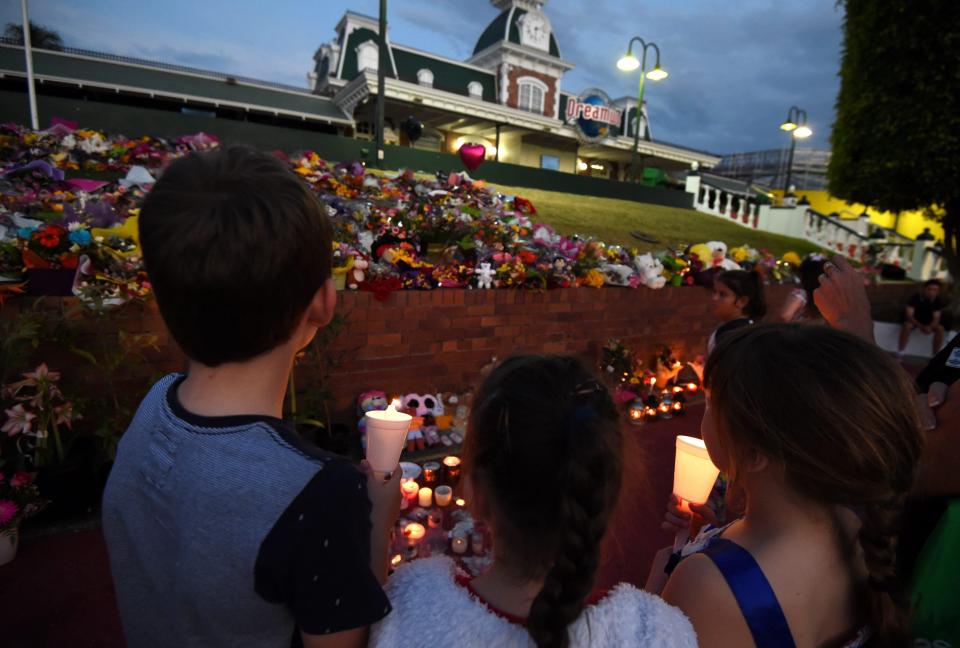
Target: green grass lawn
[{"x": 611, "y": 221}]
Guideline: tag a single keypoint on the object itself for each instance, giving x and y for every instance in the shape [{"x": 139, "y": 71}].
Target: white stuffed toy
[
  {"x": 485, "y": 275},
  {"x": 651, "y": 271},
  {"x": 616, "y": 274},
  {"x": 720, "y": 259}
]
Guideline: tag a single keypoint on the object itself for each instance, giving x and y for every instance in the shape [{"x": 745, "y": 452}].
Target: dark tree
[
  {"x": 896, "y": 141},
  {"x": 40, "y": 37}
]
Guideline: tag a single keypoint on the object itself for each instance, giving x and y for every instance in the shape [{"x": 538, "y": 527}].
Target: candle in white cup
[
  {"x": 459, "y": 544},
  {"x": 443, "y": 494},
  {"x": 693, "y": 478},
  {"x": 386, "y": 434},
  {"x": 425, "y": 497}
]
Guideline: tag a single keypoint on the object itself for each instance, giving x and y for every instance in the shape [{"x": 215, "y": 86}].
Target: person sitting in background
[
  {"x": 823, "y": 435},
  {"x": 542, "y": 467},
  {"x": 923, "y": 313},
  {"x": 799, "y": 306}
]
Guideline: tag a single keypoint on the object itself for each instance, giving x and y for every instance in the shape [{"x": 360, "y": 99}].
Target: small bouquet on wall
[{"x": 19, "y": 499}]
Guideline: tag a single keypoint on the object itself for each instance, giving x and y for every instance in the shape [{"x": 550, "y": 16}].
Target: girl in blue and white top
[{"x": 823, "y": 435}]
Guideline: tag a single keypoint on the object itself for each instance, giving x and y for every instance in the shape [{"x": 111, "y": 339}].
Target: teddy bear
[
  {"x": 485, "y": 276},
  {"x": 651, "y": 271},
  {"x": 357, "y": 274}
]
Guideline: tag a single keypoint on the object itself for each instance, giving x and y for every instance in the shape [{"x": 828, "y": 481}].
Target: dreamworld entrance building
[{"x": 508, "y": 95}]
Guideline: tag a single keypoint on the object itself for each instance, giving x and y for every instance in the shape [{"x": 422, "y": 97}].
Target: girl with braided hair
[
  {"x": 542, "y": 461},
  {"x": 822, "y": 432}
]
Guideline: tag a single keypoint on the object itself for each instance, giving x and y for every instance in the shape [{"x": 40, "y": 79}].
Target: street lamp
[
  {"x": 629, "y": 63},
  {"x": 796, "y": 125}
]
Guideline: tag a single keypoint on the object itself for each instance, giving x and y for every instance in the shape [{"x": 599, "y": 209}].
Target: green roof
[
  {"x": 447, "y": 75},
  {"x": 113, "y": 73},
  {"x": 348, "y": 51},
  {"x": 497, "y": 30}
]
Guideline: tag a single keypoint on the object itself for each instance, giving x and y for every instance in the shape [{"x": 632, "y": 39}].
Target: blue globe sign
[{"x": 592, "y": 115}]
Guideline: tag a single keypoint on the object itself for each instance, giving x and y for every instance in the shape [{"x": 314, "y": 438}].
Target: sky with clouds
[{"x": 735, "y": 66}]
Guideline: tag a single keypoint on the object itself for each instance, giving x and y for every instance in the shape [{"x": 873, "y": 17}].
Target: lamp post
[
  {"x": 382, "y": 63},
  {"x": 629, "y": 63},
  {"x": 796, "y": 125}
]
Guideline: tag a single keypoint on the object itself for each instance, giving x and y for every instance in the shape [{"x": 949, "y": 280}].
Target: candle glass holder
[
  {"x": 458, "y": 544},
  {"x": 443, "y": 495},
  {"x": 451, "y": 470},
  {"x": 431, "y": 472}
]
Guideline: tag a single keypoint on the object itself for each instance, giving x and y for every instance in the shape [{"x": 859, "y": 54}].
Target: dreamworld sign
[{"x": 592, "y": 114}]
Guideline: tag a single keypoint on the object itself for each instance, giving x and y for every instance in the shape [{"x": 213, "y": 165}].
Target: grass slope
[{"x": 611, "y": 221}]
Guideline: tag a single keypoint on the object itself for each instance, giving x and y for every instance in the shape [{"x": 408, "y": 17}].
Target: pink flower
[
  {"x": 7, "y": 511},
  {"x": 65, "y": 415},
  {"x": 20, "y": 478},
  {"x": 18, "y": 421},
  {"x": 42, "y": 373}
]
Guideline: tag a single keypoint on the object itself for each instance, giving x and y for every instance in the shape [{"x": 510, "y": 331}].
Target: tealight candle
[
  {"x": 396, "y": 560},
  {"x": 414, "y": 532},
  {"x": 692, "y": 386},
  {"x": 431, "y": 472},
  {"x": 451, "y": 465},
  {"x": 459, "y": 545},
  {"x": 476, "y": 543},
  {"x": 461, "y": 502},
  {"x": 443, "y": 495},
  {"x": 425, "y": 497}
]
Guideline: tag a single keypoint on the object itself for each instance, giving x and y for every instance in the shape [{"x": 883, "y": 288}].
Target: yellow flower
[
  {"x": 594, "y": 279},
  {"x": 792, "y": 258}
]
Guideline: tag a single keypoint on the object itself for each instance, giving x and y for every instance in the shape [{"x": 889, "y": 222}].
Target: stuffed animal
[
  {"x": 369, "y": 401},
  {"x": 651, "y": 271},
  {"x": 485, "y": 276},
  {"x": 618, "y": 275},
  {"x": 425, "y": 404},
  {"x": 357, "y": 274},
  {"x": 719, "y": 256}
]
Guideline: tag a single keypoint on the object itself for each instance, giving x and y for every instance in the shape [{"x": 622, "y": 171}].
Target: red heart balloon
[{"x": 472, "y": 155}]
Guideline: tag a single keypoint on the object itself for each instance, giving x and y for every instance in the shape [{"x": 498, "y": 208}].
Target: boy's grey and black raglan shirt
[{"x": 231, "y": 531}]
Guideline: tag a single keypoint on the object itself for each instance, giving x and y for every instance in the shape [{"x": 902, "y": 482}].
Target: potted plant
[
  {"x": 38, "y": 416},
  {"x": 19, "y": 499}
]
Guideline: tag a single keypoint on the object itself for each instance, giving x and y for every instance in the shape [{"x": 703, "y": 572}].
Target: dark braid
[
  {"x": 544, "y": 447},
  {"x": 584, "y": 512},
  {"x": 886, "y": 601}
]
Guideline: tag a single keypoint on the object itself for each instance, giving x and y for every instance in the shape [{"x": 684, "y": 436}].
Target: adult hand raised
[{"x": 842, "y": 299}]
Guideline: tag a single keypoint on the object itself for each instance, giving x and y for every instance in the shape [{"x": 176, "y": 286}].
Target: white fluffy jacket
[{"x": 430, "y": 609}]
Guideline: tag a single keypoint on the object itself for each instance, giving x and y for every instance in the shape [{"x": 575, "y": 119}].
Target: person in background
[
  {"x": 542, "y": 465},
  {"x": 823, "y": 434},
  {"x": 923, "y": 313},
  {"x": 738, "y": 301},
  {"x": 799, "y": 306},
  {"x": 224, "y": 527}
]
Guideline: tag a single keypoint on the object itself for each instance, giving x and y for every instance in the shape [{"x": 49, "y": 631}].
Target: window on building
[
  {"x": 425, "y": 77},
  {"x": 367, "y": 55},
  {"x": 532, "y": 93},
  {"x": 475, "y": 90},
  {"x": 551, "y": 162}
]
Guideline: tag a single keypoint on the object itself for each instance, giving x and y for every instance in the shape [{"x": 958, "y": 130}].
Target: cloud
[{"x": 735, "y": 67}]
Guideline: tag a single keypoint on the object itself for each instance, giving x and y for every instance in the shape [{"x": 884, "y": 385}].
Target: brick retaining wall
[{"x": 439, "y": 340}]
